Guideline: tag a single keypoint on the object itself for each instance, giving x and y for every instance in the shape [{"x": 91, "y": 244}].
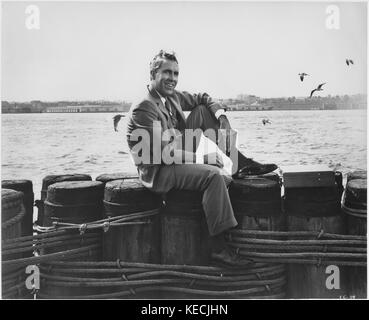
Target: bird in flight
[
  {"x": 265, "y": 121},
  {"x": 319, "y": 88},
  {"x": 116, "y": 120},
  {"x": 348, "y": 61},
  {"x": 302, "y": 75}
]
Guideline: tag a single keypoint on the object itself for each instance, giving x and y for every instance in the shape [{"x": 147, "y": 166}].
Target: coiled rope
[{"x": 261, "y": 280}]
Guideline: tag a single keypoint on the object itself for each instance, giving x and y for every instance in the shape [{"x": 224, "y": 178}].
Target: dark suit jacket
[{"x": 151, "y": 108}]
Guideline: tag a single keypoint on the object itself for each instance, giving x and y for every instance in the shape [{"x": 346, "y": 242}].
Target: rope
[
  {"x": 296, "y": 234},
  {"x": 175, "y": 280},
  {"x": 301, "y": 248},
  {"x": 91, "y": 282},
  {"x": 310, "y": 261},
  {"x": 155, "y": 289},
  {"x": 119, "y": 205},
  {"x": 50, "y": 256},
  {"x": 359, "y": 213},
  {"x": 77, "y": 205},
  {"x": 52, "y": 245},
  {"x": 105, "y": 224},
  {"x": 300, "y": 242},
  {"x": 44, "y": 240},
  {"x": 124, "y": 264},
  {"x": 303, "y": 255}
]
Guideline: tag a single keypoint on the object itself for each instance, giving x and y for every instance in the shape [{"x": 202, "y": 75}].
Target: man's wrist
[{"x": 219, "y": 113}]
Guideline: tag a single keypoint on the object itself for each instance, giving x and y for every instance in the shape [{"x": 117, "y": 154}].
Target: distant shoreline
[{"x": 251, "y": 110}]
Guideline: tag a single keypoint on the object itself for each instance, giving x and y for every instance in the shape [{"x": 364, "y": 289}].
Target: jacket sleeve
[
  {"x": 145, "y": 134},
  {"x": 190, "y": 101}
]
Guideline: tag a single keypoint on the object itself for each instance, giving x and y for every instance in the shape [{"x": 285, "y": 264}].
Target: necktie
[{"x": 171, "y": 113}]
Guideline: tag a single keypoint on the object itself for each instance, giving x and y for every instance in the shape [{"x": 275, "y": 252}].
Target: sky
[{"x": 100, "y": 50}]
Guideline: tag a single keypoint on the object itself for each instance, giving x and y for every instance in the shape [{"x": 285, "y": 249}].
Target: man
[{"x": 162, "y": 108}]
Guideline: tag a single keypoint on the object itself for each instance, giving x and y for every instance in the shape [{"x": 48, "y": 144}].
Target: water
[{"x": 36, "y": 145}]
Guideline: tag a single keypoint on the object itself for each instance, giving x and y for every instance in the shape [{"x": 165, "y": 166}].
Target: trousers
[{"x": 208, "y": 179}]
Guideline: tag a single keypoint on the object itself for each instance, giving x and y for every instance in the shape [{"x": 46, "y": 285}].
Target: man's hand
[
  {"x": 226, "y": 126},
  {"x": 214, "y": 159},
  {"x": 224, "y": 122}
]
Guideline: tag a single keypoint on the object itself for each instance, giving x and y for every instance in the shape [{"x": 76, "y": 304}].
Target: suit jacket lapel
[
  {"x": 177, "y": 107},
  {"x": 153, "y": 96}
]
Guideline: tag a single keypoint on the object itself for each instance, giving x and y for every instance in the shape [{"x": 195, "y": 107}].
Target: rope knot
[
  {"x": 320, "y": 234},
  {"x": 82, "y": 228},
  {"x": 118, "y": 264},
  {"x": 192, "y": 282},
  {"x": 132, "y": 291},
  {"x": 106, "y": 226}
]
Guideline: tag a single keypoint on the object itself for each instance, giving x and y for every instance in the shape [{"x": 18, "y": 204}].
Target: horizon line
[{"x": 131, "y": 100}]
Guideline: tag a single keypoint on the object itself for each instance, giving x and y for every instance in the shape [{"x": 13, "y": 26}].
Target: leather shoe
[
  {"x": 253, "y": 168},
  {"x": 229, "y": 258}
]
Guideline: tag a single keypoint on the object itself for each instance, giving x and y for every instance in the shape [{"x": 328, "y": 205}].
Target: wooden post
[
  {"x": 314, "y": 209},
  {"x": 256, "y": 202},
  {"x": 133, "y": 243},
  {"x": 12, "y": 213},
  {"x": 48, "y": 181},
  {"x": 185, "y": 236},
  {"x": 75, "y": 202},
  {"x": 355, "y": 207},
  {"x": 24, "y": 186}
]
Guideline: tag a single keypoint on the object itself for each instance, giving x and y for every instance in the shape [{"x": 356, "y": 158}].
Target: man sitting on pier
[{"x": 163, "y": 106}]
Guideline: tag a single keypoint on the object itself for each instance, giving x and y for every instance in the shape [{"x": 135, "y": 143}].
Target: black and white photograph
[{"x": 196, "y": 151}]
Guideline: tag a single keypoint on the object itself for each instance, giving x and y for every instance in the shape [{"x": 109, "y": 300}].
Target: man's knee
[
  {"x": 219, "y": 174},
  {"x": 201, "y": 117}
]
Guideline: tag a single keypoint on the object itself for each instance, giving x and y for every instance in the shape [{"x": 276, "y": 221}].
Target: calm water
[{"x": 36, "y": 145}]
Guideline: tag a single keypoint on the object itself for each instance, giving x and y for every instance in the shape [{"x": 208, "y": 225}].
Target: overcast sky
[{"x": 102, "y": 50}]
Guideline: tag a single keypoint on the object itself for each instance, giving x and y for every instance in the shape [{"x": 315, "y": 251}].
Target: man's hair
[{"x": 157, "y": 61}]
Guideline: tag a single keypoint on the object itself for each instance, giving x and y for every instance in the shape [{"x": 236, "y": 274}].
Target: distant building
[
  {"x": 330, "y": 106},
  {"x": 62, "y": 109},
  {"x": 89, "y": 108}
]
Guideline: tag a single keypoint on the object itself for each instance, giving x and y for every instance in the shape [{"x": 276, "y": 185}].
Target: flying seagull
[
  {"x": 319, "y": 88},
  {"x": 116, "y": 120},
  {"x": 348, "y": 61},
  {"x": 265, "y": 121},
  {"x": 302, "y": 75}
]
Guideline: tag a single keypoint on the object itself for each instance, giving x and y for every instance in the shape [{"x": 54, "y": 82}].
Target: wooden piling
[
  {"x": 256, "y": 202},
  {"x": 26, "y": 187},
  {"x": 314, "y": 209},
  {"x": 12, "y": 214},
  {"x": 51, "y": 179},
  {"x": 73, "y": 202},
  {"x": 354, "y": 205}
]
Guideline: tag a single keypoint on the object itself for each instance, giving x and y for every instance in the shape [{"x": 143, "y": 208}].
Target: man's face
[{"x": 166, "y": 78}]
